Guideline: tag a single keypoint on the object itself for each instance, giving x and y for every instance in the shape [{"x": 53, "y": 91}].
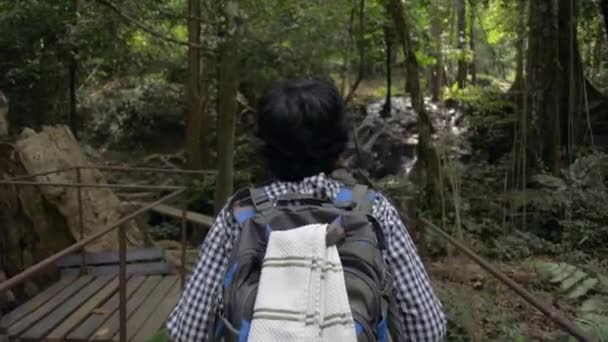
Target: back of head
[{"x": 302, "y": 127}]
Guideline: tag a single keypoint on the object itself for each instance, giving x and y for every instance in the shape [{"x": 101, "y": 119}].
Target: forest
[{"x": 486, "y": 118}]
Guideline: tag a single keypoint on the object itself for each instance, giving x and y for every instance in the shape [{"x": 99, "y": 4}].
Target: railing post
[
  {"x": 80, "y": 218},
  {"x": 183, "y": 256},
  {"x": 122, "y": 281}
]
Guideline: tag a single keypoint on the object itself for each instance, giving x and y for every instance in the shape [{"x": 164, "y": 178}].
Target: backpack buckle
[
  {"x": 261, "y": 201},
  {"x": 335, "y": 234}
]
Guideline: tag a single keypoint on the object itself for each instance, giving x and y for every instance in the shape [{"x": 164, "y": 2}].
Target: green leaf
[
  {"x": 161, "y": 336},
  {"x": 563, "y": 273},
  {"x": 583, "y": 288},
  {"x": 573, "y": 279}
]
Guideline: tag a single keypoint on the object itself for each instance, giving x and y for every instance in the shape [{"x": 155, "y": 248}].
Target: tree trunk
[
  {"x": 604, "y": 10},
  {"x": 194, "y": 118},
  {"x": 72, "y": 71},
  {"x": 461, "y": 77},
  {"x": 545, "y": 83},
  {"x": 227, "y": 106},
  {"x": 573, "y": 113},
  {"x": 596, "y": 64},
  {"x": 361, "y": 48},
  {"x": 427, "y": 155},
  {"x": 436, "y": 69},
  {"x": 472, "y": 65},
  {"x": 387, "y": 107},
  {"x": 517, "y": 85}
]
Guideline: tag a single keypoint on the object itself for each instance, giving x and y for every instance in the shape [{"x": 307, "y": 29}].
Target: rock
[
  {"x": 56, "y": 148},
  {"x": 388, "y": 146},
  {"x": 37, "y": 222}
]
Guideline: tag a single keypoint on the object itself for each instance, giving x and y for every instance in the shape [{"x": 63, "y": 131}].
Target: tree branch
[
  {"x": 361, "y": 39},
  {"x": 145, "y": 27}
]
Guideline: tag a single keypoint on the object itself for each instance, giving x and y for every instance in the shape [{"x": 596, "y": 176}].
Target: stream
[{"x": 388, "y": 145}]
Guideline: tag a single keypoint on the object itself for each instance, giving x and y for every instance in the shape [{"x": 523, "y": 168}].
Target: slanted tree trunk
[
  {"x": 361, "y": 50},
  {"x": 437, "y": 68},
  {"x": 545, "y": 83},
  {"x": 227, "y": 106},
  {"x": 461, "y": 77},
  {"x": 427, "y": 155},
  {"x": 194, "y": 117}
]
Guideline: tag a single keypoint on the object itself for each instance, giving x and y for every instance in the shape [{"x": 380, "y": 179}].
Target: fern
[{"x": 575, "y": 283}]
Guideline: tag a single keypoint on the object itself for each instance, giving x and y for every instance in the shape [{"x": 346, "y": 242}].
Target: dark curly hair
[{"x": 302, "y": 128}]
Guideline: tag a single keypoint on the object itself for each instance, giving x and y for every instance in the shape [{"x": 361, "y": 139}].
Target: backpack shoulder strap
[
  {"x": 363, "y": 198},
  {"x": 359, "y": 196},
  {"x": 249, "y": 202}
]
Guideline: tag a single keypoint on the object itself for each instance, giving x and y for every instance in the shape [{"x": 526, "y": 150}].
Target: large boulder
[{"x": 38, "y": 221}]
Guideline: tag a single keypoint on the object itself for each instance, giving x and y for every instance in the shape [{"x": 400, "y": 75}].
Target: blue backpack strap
[
  {"x": 249, "y": 202},
  {"x": 358, "y": 196}
]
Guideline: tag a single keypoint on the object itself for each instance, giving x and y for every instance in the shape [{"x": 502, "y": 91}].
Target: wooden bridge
[{"x": 107, "y": 296}]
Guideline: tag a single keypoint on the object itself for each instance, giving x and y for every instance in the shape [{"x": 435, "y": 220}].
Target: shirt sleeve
[
  {"x": 422, "y": 314},
  {"x": 195, "y": 311}
]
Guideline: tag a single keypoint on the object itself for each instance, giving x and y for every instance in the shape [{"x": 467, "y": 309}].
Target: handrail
[
  {"x": 148, "y": 169},
  {"x": 95, "y": 185},
  {"x": 120, "y": 224},
  {"x": 40, "y": 174},
  {"x": 555, "y": 315},
  {"x": 19, "y": 278}
]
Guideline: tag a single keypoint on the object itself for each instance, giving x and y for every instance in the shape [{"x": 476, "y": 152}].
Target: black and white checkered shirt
[{"x": 422, "y": 314}]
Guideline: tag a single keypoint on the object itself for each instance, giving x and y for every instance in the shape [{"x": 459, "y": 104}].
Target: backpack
[{"x": 352, "y": 229}]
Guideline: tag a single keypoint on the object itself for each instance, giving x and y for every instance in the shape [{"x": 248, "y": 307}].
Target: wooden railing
[{"x": 118, "y": 226}]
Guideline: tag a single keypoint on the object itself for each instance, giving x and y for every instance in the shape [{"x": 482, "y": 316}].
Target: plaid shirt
[{"x": 422, "y": 315}]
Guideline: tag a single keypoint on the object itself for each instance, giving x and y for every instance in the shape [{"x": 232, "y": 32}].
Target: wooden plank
[
  {"x": 160, "y": 268},
  {"x": 83, "y": 311},
  {"x": 104, "y": 258},
  {"x": 148, "y": 307},
  {"x": 160, "y": 315},
  {"x": 48, "y": 323},
  {"x": 200, "y": 219},
  {"x": 110, "y": 327},
  {"x": 46, "y": 309},
  {"x": 31, "y": 305},
  {"x": 100, "y": 314}
]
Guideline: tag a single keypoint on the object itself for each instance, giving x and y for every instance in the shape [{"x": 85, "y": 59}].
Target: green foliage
[
  {"x": 161, "y": 336},
  {"x": 569, "y": 210},
  {"x": 588, "y": 290},
  {"x": 165, "y": 231},
  {"x": 131, "y": 113}
]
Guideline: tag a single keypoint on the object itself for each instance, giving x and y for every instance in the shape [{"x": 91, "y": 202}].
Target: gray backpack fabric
[{"x": 352, "y": 228}]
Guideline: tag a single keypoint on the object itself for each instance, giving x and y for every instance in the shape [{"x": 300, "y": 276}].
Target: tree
[
  {"x": 604, "y": 10},
  {"x": 227, "y": 102},
  {"x": 462, "y": 63},
  {"x": 517, "y": 85},
  {"x": 544, "y": 82},
  {"x": 388, "y": 42},
  {"x": 577, "y": 91},
  {"x": 427, "y": 155},
  {"x": 72, "y": 72},
  {"x": 437, "y": 67},
  {"x": 194, "y": 148},
  {"x": 472, "y": 66}
]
